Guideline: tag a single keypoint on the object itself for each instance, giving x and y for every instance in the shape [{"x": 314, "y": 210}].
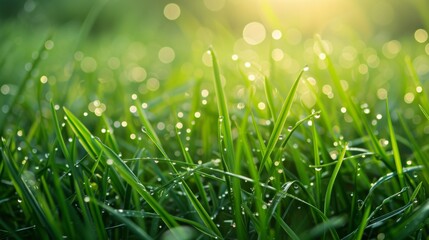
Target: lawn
[{"x": 216, "y": 119}]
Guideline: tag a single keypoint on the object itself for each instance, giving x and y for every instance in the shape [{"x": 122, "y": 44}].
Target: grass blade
[
  {"x": 94, "y": 145},
  {"x": 332, "y": 180},
  {"x": 135, "y": 183},
  {"x": 270, "y": 98},
  {"x": 410, "y": 224},
  {"x": 148, "y": 129},
  {"x": 27, "y": 195},
  {"x": 278, "y": 126},
  {"x": 424, "y": 112},
  {"x": 85, "y": 137},
  {"x": 229, "y": 145},
  {"x": 396, "y": 155},
  {"x": 289, "y": 231},
  {"x": 364, "y": 223},
  {"x": 202, "y": 213},
  {"x": 60, "y": 137},
  {"x": 130, "y": 224}
]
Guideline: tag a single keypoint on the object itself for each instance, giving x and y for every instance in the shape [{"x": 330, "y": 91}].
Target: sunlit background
[{"x": 140, "y": 47}]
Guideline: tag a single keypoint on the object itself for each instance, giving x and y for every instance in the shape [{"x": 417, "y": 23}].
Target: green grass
[{"x": 249, "y": 148}]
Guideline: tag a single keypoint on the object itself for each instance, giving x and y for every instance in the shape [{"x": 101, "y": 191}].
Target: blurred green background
[{"x": 113, "y": 49}]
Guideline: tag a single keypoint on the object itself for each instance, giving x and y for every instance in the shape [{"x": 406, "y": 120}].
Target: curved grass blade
[
  {"x": 27, "y": 195},
  {"x": 128, "y": 175},
  {"x": 388, "y": 177},
  {"x": 130, "y": 224},
  {"x": 278, "y": 126},
  {"x": 332, "y": 181},
  {"x": 148, "y": 129},
  {"x": 411, "y": 223},
  {"x": 289, "y": 231},
  {"x": 202, "y": 213},
  {"x": 85, "y": 137},
  {"x": 424, "y": 112},
  {"x": 60, "y": 137},
  {"x": 94, "y": 145},
  {"x": 229, "y": 154}
]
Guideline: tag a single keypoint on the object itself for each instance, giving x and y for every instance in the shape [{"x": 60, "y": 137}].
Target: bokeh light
[
  {"x": 172, "y": 11},
  {"x": 254, "y": 33}
]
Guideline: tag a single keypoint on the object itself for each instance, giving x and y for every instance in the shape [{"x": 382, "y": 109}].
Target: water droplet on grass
[
  {"x": 384, "y": 142},
  {"x": 306, "y": 68}
]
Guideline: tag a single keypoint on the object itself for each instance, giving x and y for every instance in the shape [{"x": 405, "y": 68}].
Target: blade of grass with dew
[
  {"x": 363, "y": 223},
  {"x": 229, "y": 145},
  {"x": 396, "y": 154},
  {"x": 244, "y": 148},
  {"x": 289, "y": 231},
  {"x": 278, "y": 126},
  {"x": 299, "y": 165},
  {"x": 66, "y": 210},
  {"x": 223, "y": 112},
  {"x": 316, "y": 210},
  {"x": 130, "y": 224},
  {"x": 317, "y": 169},
  {"x": 94, "y": 209},
  {"x": 60, "y": 137},
  {"x": 132, "y": 179},
  {"x": 330, "y": 186},
  {"x": 380, "y": 220},
  {"x": 92, "y": 143},
  {"x": 84, "y": 136},
  {"x": 414, "y": 195},
  {"x": 202, "y": 213},
  {"x": 388, "y": 177},
  {"x": 148, "y": 129},
  {"x": 373, "y": 222},
  {"x": 27, "y": 195},
  {"x": 47, "y": 201},
  {"x": 197, "y": 226},
  {"x": 271, "y": 212},
  {"x": 281, "y": 194}
]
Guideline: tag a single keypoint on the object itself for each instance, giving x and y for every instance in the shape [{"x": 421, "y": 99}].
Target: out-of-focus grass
[{"x": 121, "y": 125}]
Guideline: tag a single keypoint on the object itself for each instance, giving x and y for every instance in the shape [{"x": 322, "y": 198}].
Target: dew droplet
[{"x": 306, "y": 68}]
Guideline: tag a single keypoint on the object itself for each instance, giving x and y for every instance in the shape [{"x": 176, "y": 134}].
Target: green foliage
[{"x": 103, "y": 137}]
